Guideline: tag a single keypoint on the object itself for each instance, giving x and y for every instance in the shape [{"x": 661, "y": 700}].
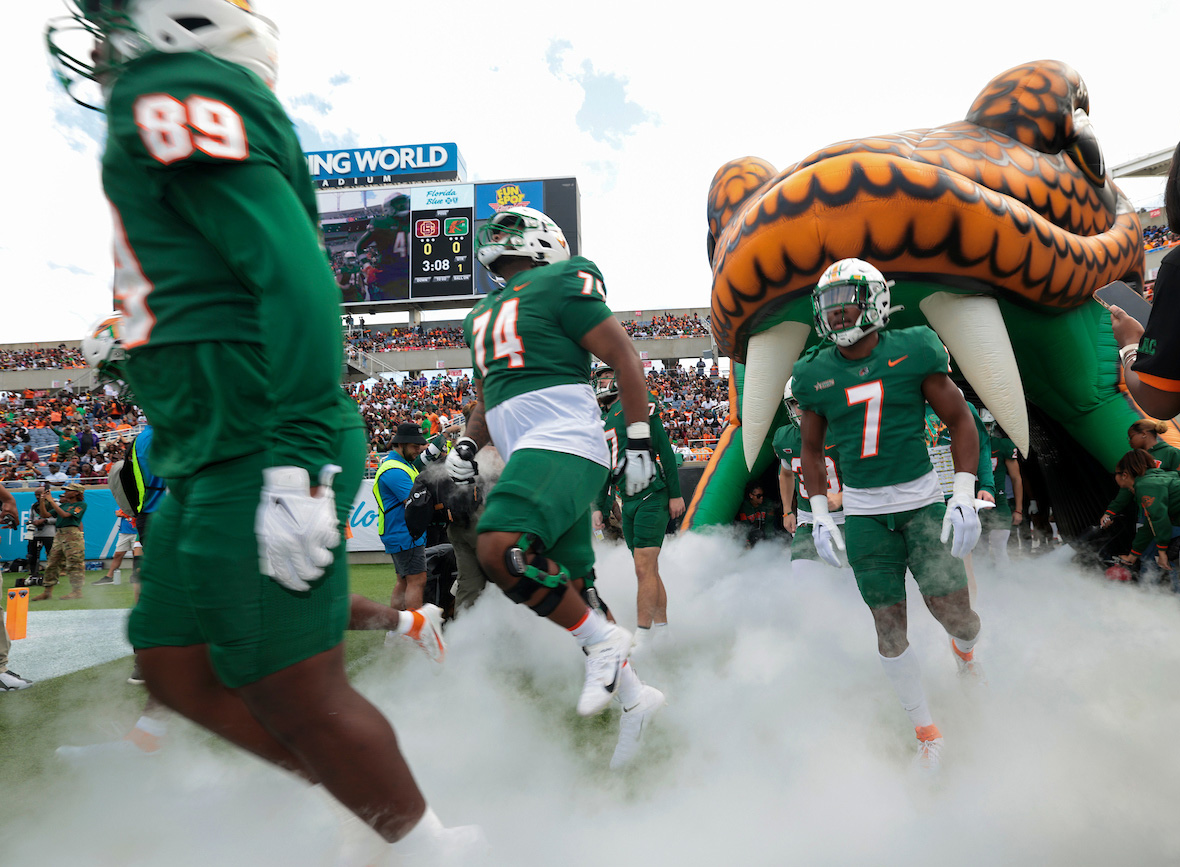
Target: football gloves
[
  {"x": 461, "y": 465},
  {"x": 297, "y": 533},
  {"x": 431, "y": 453},
  {"x": 638, "y": 466},
  {"x": 962, "y": 516},
  {"x": 826, "y": 535}
]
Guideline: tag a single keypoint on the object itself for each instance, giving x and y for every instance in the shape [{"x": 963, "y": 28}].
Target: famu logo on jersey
[{"x": 825, "y": 383}]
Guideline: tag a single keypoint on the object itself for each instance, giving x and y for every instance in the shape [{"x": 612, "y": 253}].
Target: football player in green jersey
[
  {"x": 231, "y": 331},
  {"x": 531, "y": 340},
  {"x": 797, "y": 518},
  {"x": 998, "y": 522},
  {"x": 865, "y": 390},
  {"x": 645, "y": 515}
]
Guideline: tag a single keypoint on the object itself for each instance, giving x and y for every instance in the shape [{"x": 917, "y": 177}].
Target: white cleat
[
  {"x": 929, "y": 756},
  {"x": 10, "y": 680},
  {"x": 428, "y": 637},
  {"x": 633, "y": 724},
  {"x": 429, "y": 843},
  {"x": 604, "y": 669},
  {"x": 970, "y": 669}
]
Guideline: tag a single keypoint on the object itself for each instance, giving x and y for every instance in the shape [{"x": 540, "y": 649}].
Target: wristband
[
  {"x": 964, "y": 486},
  {"x": 640, "y": 430},
  {"x": 1128, "y": 352},
  {"x": 819, "y": 506}
]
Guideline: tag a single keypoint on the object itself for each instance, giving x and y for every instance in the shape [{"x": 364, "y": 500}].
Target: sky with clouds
[{"x": 641, "y": 101}]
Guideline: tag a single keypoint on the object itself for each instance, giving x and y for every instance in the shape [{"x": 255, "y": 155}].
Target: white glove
[
  {"x": 431, "y": 452},
  {"x": 638, "y": 467},
  {"x": 962, "y": 514},
  {"x": 461, "y": 465},
  {"x": 296, "y": 531},
  {"x": 826, "y": 532}
]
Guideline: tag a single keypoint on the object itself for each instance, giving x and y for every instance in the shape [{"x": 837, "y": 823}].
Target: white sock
[
  {"x": 964, "y": 645},
  {"x": 630, "y": 686},
  {"x": 591, "y": 629},
  {"x": 156, "y": 727},
  {"x": 659, "y": 625},
  {"x": 905, "y": 674},
  {"x": 998, "y": 541},
  {"x": 422, "y": 836}
]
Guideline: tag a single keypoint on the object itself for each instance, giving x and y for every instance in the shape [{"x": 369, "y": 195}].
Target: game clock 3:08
[{"x": 443, "y": 249}]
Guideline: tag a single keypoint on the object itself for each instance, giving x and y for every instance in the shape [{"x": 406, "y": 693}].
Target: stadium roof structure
[{"x": 1154, "y": 165}]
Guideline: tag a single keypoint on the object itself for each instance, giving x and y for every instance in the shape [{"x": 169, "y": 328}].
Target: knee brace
[
  {"x": 528, "y": 566},
  {"x": 590, "y": 594}
]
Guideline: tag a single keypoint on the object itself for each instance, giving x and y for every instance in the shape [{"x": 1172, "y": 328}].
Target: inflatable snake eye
[{"x": 1085, "y": 151}]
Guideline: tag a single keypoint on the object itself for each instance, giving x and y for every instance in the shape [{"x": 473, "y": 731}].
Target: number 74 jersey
[
  {"x": 525, "y": 336},
  {"x": 874, "y": 406}
]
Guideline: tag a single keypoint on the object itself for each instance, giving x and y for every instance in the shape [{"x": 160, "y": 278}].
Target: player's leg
[
  {"x": 53, "y": 567},
  {"x": 422, "y": 626},
  {"x": 74, "y": 560},
  {"x": 472, "y": 578},
  {"x": 644, "y": 533},
  {"x": 944, "y": 583},
  {"x": 877, "y": 553},
  {"x": 542, "y": 499}
]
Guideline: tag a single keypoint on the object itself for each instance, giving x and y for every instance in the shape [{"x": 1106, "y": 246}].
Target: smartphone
[{"x": 1119, "y": 294}]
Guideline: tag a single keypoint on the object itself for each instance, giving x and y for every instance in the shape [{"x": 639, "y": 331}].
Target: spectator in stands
[
  {"x": 54, "y": 476},
  {"x": 87, "y": 440}
]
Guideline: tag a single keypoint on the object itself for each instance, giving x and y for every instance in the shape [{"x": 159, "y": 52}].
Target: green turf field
[{"x": 29, "y": 732}]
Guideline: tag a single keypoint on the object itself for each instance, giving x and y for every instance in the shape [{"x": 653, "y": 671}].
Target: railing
[{"x": 103, "y": 437}]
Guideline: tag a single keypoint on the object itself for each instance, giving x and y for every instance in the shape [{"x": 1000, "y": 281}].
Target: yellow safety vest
[{"x": 392, "y": 463}]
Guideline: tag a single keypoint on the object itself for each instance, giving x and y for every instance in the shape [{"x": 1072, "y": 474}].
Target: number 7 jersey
[
  {"x": 525, "y": 336},
  {"x": 874, "y": 406}
]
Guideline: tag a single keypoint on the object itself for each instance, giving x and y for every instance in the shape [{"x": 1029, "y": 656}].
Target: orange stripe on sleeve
[{"x": 1159, "y": 382}]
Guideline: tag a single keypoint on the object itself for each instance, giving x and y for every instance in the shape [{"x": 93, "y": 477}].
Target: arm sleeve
[
  {"x": 1159, "y": 352},
  {"x": 663, "y": 447},
  {"x": 579, "y": 311},
  {"x": 252, "y": 215},
  {"x": 1120, "y": 502},
  {"x": 987, "y": 480},
  {"x": 1158, "y": 525}
]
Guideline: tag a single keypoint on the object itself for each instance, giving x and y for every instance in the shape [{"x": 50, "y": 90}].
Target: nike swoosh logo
[
  {"x": 629, "y": 709},
  {"x": 610, "y": 687},
  {"x": 826, "y": 448},
  {"x": 893, "y": 362},
  {"x": 521, "y": 286}
]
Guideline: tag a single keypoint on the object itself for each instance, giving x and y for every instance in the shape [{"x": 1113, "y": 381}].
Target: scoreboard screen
[{"x": 417, "y": 243}]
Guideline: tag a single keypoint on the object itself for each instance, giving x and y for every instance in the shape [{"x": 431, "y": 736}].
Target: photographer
[
  {"x": 40, "y": 533},
  {"x": 69, "y": 552}
]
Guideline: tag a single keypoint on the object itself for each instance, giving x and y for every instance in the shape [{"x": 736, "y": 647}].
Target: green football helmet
[
  {"x": 792, "y": 403},
  {"x": 606, "y": 389},
  {"x": 102, "y": 347}
]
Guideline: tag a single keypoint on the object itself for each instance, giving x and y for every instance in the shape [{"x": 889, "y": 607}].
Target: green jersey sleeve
[{"x": 581, "y": 304}]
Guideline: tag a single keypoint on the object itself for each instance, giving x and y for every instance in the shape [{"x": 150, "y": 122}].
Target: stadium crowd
[
  {"x": 668, "y": 326},
  {"x": 56, "y": 358},
  {"x": 63, "y": 437},
  {"x": 1155, "y": 237}
]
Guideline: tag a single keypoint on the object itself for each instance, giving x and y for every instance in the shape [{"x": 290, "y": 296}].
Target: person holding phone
[{"x": 1149, "y": 355}]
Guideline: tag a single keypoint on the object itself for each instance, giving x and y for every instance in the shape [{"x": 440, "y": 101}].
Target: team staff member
[
  {"x": 69, "y": 547},
  {"x": 647, "y": 513},
  {"x": 1151, "y": 356},
  {"x": 874, "y": 413},
  {"x": 9, "y": 679},
  {"x": 1157, "y": 492},
  {"x": 230, "y": 323},
  {"x": 1143, "y": 434},
  {"x": 391, "y": 488},
  {"x": 998, "y": 522}
]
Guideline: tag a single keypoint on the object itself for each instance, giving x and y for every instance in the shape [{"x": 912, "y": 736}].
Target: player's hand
[
  {"x": 961, "y": 516},
  {"x": 596, "y": 520},
  {"x": 461, "y": 465},
  {"x": 676, "y": 507},
  {"x": 431, "y": 452},
  {"x": 835, "y": 500},
  {"x": 1127, "y": 559},
  {"x": 637, "y": 467},
  {"x": 296, "y": 531},
  {"x": 1161, "y": 557},
  {"x": 790, "y": 522},
  {"x": 1033, "y": 508},
  {"x": 987, "y": 497},
  {"x": 826, "y": 533}
]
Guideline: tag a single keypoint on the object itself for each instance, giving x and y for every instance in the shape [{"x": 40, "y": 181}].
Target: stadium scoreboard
[{"x": 392, "y": 244}]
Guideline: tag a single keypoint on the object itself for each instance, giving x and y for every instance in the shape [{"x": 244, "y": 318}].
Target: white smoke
[{"x": 782, "y": 742}]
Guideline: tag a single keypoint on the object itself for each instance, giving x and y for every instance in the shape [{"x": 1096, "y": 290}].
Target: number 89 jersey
[
  {"x": 189, "y": 114},
  {"x": 874, "y": 406},
  {"x": 525, "y": 336}
]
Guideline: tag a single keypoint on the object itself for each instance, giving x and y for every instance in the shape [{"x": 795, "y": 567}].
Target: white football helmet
[
  {"x": 792, "y": 403},
  {"x": 851, "y": 281},
  {"x": 126, "y": 29},
  {"x": 520, "y": 232},
  {"x": 102, "y": 347},
  {"x": 606, "y": 388}
]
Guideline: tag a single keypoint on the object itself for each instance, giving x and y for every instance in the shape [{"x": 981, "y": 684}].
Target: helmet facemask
[
  {"x": 851, "y": 283},
  {"x": 522, "y": 233}
]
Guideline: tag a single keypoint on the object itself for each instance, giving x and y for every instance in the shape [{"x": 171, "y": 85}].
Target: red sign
[
  {"x": 1155, "y": 212},
  {"x": 427, "y": 228}
]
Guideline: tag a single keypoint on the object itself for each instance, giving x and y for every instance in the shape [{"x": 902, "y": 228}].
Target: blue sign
[
  {"x": 100, "y": 526},
  {"x": 355, "y": 167},
  {"x": 490, "y": 198}
]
